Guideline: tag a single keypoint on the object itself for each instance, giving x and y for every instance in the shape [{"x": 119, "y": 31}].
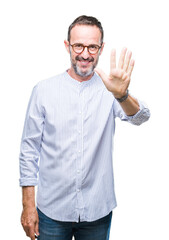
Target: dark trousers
[{"x": 57, "y": 230}]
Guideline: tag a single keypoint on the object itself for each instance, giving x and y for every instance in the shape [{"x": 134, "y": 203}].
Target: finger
[
  {"x": 112, "y": 60},
  {"x": 37, "y": 228},
  {"x": 125, "y": 76},
  {"x": 101, "y": 74},
  {"x": 131, "y": 66},
  {"x": 122, "y": 57},
  {"x": 127, "y": 61},
  {"x": 30, "y": 231},
  {"x": 26, "y": 228},
  {"x": 32, "y": 234}
]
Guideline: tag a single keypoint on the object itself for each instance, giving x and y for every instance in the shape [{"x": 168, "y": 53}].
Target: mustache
[{"x": 83, "y": 59}]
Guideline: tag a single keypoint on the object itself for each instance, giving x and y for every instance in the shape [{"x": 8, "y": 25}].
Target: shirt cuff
[
  {"x": 141, "y": 116},
  {"x": 23, "y": 182}
]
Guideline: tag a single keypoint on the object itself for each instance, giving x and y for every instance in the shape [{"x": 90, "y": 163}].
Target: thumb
[{"x": 103, "y": 76}]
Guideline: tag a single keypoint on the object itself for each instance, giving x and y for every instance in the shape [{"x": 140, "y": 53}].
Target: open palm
[{"x": 119, "y": 78}]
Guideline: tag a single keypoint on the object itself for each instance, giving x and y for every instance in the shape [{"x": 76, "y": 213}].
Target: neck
[{"x": 77, "y": 77}]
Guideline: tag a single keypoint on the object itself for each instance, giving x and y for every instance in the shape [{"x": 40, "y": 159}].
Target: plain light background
[{"x": 32, "y": 49}]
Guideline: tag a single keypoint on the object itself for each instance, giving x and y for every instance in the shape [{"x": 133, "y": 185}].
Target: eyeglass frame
[{"x": 84, "y": 46}]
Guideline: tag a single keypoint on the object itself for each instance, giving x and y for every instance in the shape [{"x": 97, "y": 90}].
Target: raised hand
[{"x": 119, "y": 78}]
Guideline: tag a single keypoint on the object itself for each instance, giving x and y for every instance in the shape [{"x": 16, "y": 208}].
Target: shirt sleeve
[
  {"x": 31, "y": 141},
  {"x": 140, "y": 117}
]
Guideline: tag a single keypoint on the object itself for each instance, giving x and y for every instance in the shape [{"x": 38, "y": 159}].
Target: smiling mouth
[{"x": 84, "y": 63}]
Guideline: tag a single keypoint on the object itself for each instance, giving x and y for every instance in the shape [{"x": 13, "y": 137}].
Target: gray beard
[{"x": 83, "y": 73}]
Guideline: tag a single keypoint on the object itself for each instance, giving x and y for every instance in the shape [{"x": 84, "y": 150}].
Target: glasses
[{"x": 79, "y": 48}]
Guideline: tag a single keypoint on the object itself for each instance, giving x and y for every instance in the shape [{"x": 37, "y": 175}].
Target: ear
[
  {"x": 102, "y": 48},
  {"x": 67, "y": 45}
]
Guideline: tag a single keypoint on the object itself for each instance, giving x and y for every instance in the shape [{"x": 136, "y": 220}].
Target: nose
[{"x": 85, "y": 54}]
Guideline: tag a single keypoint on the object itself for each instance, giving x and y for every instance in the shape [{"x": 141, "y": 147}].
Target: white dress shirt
[{"x": 67, "y": 146}]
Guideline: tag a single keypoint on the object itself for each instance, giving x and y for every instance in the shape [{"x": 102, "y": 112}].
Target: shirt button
[
  {"x": 79, "y": 132},
  {"x": 78, "y": 171},
  {"x": 78, "y": 190},
  {"x": 80, "y": 112}
]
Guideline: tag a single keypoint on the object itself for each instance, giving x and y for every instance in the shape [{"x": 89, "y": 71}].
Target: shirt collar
[{"x": 76, "y": 83}]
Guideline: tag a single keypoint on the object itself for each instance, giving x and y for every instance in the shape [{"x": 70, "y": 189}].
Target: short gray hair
[{"x": 86, "y": 20}]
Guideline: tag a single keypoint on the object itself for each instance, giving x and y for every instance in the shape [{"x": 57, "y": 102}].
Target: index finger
[{"x": 112, "y": 60}]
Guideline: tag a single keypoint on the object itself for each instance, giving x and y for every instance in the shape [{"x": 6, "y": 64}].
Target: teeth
[{"x": 84, "y": 61}]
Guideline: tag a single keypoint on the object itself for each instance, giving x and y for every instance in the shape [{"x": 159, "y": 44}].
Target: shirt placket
[{"x": 80, "y": 202}]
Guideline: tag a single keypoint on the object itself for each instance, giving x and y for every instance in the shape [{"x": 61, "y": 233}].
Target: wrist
[
  {"x": 28, "y": 205},
  {"x": 122, "y": 98}
]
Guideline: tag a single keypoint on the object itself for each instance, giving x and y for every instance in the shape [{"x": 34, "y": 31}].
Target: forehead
[{"x": 85, "y": 34}]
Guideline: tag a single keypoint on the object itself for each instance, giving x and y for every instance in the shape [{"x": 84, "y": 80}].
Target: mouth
[{"x": 84, "y": 62}]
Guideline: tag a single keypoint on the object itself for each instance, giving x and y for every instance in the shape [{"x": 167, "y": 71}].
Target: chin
[{"x": 85, "y": 73}]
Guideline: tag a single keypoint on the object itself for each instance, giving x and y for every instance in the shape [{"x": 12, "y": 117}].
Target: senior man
[{"x": 67, "y": 141}]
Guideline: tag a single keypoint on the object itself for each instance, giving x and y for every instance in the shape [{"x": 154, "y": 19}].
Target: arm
[
  {"x": 29, "y": 157},
  {"x": 137, "y": 119},
  {"x": 29, "y": 217},
  {"x": 31, "y": 140},
  {"x": 130, "y": 106}
]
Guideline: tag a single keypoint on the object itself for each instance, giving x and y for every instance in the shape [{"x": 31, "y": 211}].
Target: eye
[
  {"x": 93, "y": 47},
  {"x": 78, "y": 46}
]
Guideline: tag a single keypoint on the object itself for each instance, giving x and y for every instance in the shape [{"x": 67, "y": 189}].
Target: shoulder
[{"x": 50, "y": 82}]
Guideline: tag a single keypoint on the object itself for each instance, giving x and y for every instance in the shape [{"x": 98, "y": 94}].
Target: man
[{"x": 69, "y": 126}]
